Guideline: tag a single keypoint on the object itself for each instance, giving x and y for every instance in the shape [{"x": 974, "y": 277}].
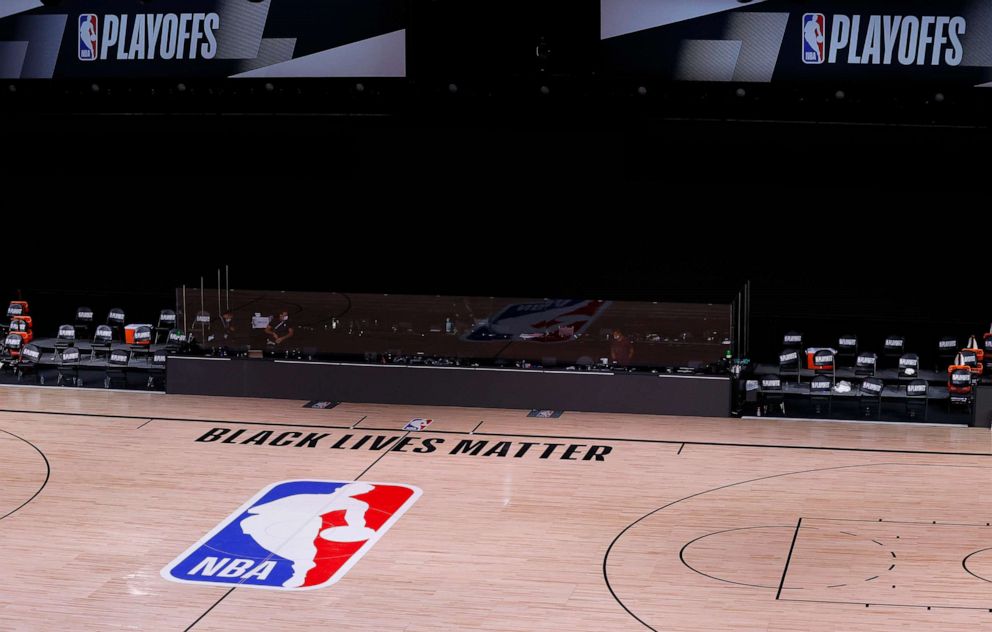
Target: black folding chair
[
  {"x": 166, "y": 323},
  {"x": 892, "y": 349},
  {"x": 820, "y": 393},
  {"x": 870, "y": 396},
  {"x": 793, "y": 340},
  {"x": 947, "y": 348},
  {"x": 68, "y": 366},
  {"x": 142, "y": 341},
  {"x": 823, "y": 363},
  {"x": 917, "y": 399},
  {"x": 27, "y": 363},
  {"x": 115, "y": 320},
  {"x": 865, "y": 364},
  {"x": 847, "y": 349},
  {"x": 909, "y": 366},
  {"x": 771, "y": 394},
  {"x": 117, "y": 365},
  {"x": 12, "y": 346},
  {"x": 66, "y": 338},
  {"x": 789, "y": 361},
  {"x": 17, "y": 308},
  {"x": 176, "y": 341},
  {"x": 103, "y": 340},
  {"x": 157, "y": 368},
  {"x": 84, "y": 320}
]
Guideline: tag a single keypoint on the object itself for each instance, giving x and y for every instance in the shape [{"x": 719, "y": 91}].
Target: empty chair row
[
  {"x": 865, "y": 363},
  {"x": 894, "y": 345},
  {"x": 27, "y": 361}
]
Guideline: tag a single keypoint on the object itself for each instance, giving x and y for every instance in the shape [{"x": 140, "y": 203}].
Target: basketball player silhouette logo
[
  {"x": 814, "y": 35},
  {"x": 89, "y": 26},
  {"x": 295, "y": 535}
]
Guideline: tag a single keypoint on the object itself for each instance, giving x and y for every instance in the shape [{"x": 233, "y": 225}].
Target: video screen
[
  {"x": 793, "y": 40},
  {"x": 461, "y": 330},
  {"x": 203, "y": 38}
]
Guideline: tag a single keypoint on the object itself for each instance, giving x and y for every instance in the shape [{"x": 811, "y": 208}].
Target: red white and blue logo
[
  {"x": 418, "y": 424},
  {"x": 295, "y": 535},
  {"x": 814, "y": 38},
  {"x": 89, "y": 30},
  {"x": 546, "y": 321}
]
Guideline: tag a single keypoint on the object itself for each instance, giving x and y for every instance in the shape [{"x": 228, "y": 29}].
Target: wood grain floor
[{"x": 684, "y": 524}]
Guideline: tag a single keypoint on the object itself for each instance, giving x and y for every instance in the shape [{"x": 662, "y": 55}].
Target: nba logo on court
[
  {"x": 89, "y": 26},
  {"x": 295, "y": 535},
  {"x": 418, "y": 424},
  {"x": 814, "y": 36}
]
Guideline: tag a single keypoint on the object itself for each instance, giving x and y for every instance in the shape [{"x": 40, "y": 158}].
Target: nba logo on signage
[
  {"x": 814, "y": 38},
  {"x": 89, "y": 26},
  {"x": 294, "y": 535}
]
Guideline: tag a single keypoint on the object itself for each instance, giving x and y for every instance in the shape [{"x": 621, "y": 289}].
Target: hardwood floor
[{"x": 586, "y": 522}]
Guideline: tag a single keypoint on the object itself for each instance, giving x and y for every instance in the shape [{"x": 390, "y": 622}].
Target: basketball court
[{"x": 619, "y": 522}]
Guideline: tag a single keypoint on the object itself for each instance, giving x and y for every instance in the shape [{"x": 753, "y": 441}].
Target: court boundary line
[
  {"x": 889, "y": 605},
  {"x": 513, "y": 434},
  {"x": 609, "y": 549},
  {"x": 48, "y": 474},
  {"x": 933, "y": 523},
  {"x": 677, "y": 442},
  {"x": 876, "y": 422},
  {"x": 190, "y": 420},
  {"x": 90, "y": 388}
]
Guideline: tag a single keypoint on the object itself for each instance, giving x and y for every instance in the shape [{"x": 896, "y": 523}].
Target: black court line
[
  {"x": 48, "y": 475},
  {"x": 207, "y": 611},
  {"x": 720, "y": 579},
  {"x": 889, "y": 605},
  {"x": 144, "y": 424},
  {"x": 526, "y": 436},
  {"x": 355, "y": 425},
  {"x": 669, "y": 442},
  {"x": 918, "y": 524},
  {"x": 606, "y": 556},
  {"x": 680, "y": 449},
  {"x": 788, "y": 558},
  {"x": 964, "y": 563},
  {"x": 381, "y": 456},
  {"x": 224, "y": 596},
  {"x": 477, "y": 426},
  {"x": 185, "y": 419}
]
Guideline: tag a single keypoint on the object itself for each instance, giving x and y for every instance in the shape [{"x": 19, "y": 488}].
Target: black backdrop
[
  {"x": 680, "y": 194},
  {"x": 474, "y": 110},
  {"x": 618, "y": 257}
]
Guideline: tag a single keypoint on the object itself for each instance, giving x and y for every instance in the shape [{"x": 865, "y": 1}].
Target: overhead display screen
[
  {"x": 790, "y": 40},
  {"x": 203, "y": 38}
]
